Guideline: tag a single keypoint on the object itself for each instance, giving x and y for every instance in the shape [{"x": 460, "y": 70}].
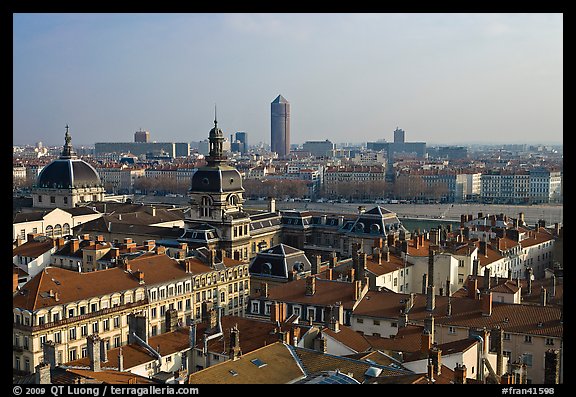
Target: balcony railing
[{"x": 80, "y": 318}]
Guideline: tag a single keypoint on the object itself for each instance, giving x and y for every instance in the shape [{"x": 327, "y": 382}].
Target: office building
[
  {"x": 280, "y": 126},
  {"x": 142, "y": 136},
  {"x": 242, "y": 138},
  {"x": 319, "y": 148}
]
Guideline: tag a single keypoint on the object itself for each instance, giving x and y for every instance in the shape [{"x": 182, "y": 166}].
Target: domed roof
[
  {"x": 68, "y": 171},
  {"x": 220, "y": 178},
  {"x": 216, "y": 176}
]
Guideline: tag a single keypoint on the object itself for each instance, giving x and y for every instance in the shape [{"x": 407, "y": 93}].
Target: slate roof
[{"x": 279, "y": 261}]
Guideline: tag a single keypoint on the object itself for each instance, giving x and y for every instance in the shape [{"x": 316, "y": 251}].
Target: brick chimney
[
  {"x": 430, "y": 370},
  {"x": 483, "y": 248},
  {"x": 86, "y": 237},
  {"x": 278, "y": 312},
  {"x": 316, "y": 264},
  {"x": 497, "y": 345},
  {"x": 103, "y": 351},
  {"x": 487, "y": 283},
  {"x": 460, "y": 374},
  {"x": 487, "y": 303},
  {"x": 425, "y": 342},
  {"x": 59, "y": 242},
  {"x": 120, "y": 360},
  {"x": 138, "y": 325},
  {"x": 320, "y": 343},
  {"x": 42, "y": 374},
  {"x": 472, "y": 286},
  {"x": 387, "y": 255},
  {"x": 74, "y": 245},
  {"x": 351, "y": 275},
  {"x": 234, "y": 352},
  {"x": 329, "y": 275},
  {"x": 295, "y": 335},
  {"x": 94, "y": 352},
  {"x": 377, "y": 255},
  {"x": 391, "y": 240},
  {"x": 403, "y": 320},
  {"x": 333, "y": 260},
  {"x": 310, "y": 285},
  {"x": 431, "y": 254},
  {"x": 171, "y": 317},
  {"x": 140, "y": 275},
  {"x": 49, "y": 353},
  {"x": 334, "y": 324},
  {"x": 434, "y": 236},
  {"x": 429, "y": 326},
  {"x": 357, "y": 290},
  {"x": 409, "y": 302},
  {"x": 424, "y": 283},
  {"x": 431, "y": 298},
  {"x": 521, "y": 221},
  {"x": 435, "y": 355}
]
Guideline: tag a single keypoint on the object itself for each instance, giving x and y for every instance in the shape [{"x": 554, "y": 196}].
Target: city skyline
[{"x": 443, "y": 78}]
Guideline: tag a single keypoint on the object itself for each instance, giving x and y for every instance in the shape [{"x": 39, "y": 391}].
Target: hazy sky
[{"x": 443, "y": 78}]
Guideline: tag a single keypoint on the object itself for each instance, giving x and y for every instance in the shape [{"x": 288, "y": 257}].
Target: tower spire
[
  {"x": 216, "y": 139},
  {"x": 68, "y": 150}
]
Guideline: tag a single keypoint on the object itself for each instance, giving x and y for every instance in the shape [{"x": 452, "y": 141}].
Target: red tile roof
[
  {"x": 348, "y": 337},
  {"x": 514, "y": 318},
  {"x": 327, "y": 293},
  {"x": 135, "y": 355},
  {"x": 384, "y": 267},
  {"x": 33, "y": 249}
]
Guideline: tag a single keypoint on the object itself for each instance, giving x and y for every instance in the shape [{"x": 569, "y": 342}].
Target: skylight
[{"x": 259, "y": 363}]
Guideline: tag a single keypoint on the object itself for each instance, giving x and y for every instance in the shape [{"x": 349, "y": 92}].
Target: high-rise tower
[{"x": 280, "y": 126}]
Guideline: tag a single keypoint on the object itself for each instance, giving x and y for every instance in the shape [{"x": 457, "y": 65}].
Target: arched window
[
  {"x": 267, "y": 268},
  {"x": 374, "y": 228},
  {"x": 233, "y": 200},
  {"x": 205, "y": 206},
  {"x": 66, "y": 229},
  {"x": 49, "y": 231},
  {"x": 57, "y": 230}
]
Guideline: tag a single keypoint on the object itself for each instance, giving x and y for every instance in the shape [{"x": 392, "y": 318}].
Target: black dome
[
  {"x": 68, "y": 173},
  {"x": 217, "y": 179}
]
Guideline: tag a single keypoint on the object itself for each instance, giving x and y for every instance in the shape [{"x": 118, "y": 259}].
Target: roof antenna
[{"x": 215, "y": 118}]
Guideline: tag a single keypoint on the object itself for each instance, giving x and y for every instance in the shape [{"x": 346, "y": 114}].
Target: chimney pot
[{"x": 310, "y": 285}]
